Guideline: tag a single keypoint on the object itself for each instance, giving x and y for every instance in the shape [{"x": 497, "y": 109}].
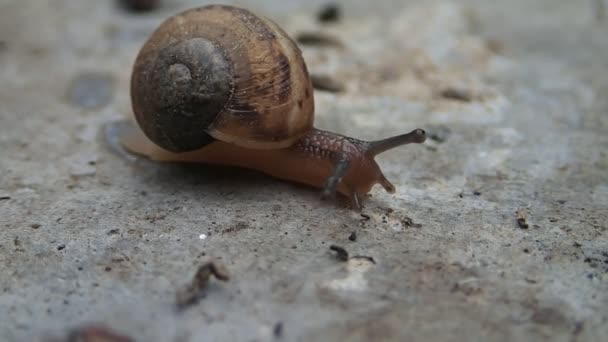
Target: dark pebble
[
  {"x": 329, "y": 13},
  {"x": 353, "y": 236}
]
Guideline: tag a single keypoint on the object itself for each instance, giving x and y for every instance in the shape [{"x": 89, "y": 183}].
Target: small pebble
[
  {"x": 521, "y": 219},
  {"x": 329, "y": 13},
  {"x": 353, "y": 236}
]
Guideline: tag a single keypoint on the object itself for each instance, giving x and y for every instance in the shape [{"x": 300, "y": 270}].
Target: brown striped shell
[{"x": 221, "y": 72}]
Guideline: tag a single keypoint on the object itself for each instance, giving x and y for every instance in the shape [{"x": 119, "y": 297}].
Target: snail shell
[{"x": 220, "y": 72}]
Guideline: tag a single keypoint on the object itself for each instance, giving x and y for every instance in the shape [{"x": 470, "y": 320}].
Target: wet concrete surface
[{"x": 513, "y": 95}]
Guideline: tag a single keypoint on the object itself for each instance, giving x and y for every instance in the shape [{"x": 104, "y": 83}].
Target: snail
[{"x": 220, "y": 85}]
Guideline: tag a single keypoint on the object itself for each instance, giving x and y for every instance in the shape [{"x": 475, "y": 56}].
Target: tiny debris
[
  {"x": 353, "y": 236},
  {"x": 341, "y": 253},
  {"x": 140, "y": 5},
  {"x": 35, "y": 225},
  {"x": 457, "y": 94},
  {"x": 326, "y": 83},
  {"x": 329, "y": 13},
  {"x": 191, "y": 293},
  {"x": 409, "y": 222},
  {"x": 366, "y": 217},
  {"x": 320, "y": 39},
  {"x": 237, "y": 227},
  {"x": 521, "y": 219},
  {"x": 5, "y": 198},
  {"x": 530, "y": 280},
  {"x": 277, "y": 331},
  {"x": 477, "y": 193},
  {"x": 112, "y": 232},
  {"x": 60, "y": 247},
  {"x": 95, "y": 333}
]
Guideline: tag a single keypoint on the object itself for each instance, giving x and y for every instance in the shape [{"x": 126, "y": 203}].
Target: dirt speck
[
  {"x": 521, "y": 219},
  {"x": 353, "y": 236},
  {"x": 457, "y": 94},
  {"x": 341, "y": 253},
  {"x": 329, "y": 13},
  {"x": 237, "y": 227},
  {"x": 191, "y": 293},
  {"x": 408, "y": 222}
]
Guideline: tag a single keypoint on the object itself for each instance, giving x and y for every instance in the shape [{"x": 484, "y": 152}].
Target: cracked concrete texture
[{"x": 90, "y": 237}]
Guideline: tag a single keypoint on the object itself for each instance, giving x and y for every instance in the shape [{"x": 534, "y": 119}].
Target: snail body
[{"x": 219, "y": 85}]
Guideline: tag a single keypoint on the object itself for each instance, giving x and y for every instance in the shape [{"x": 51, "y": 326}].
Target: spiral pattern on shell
[{"x": 221, "y": 72}]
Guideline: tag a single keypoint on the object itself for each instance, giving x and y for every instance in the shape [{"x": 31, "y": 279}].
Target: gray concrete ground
[{"x": 514, "y": 94}]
